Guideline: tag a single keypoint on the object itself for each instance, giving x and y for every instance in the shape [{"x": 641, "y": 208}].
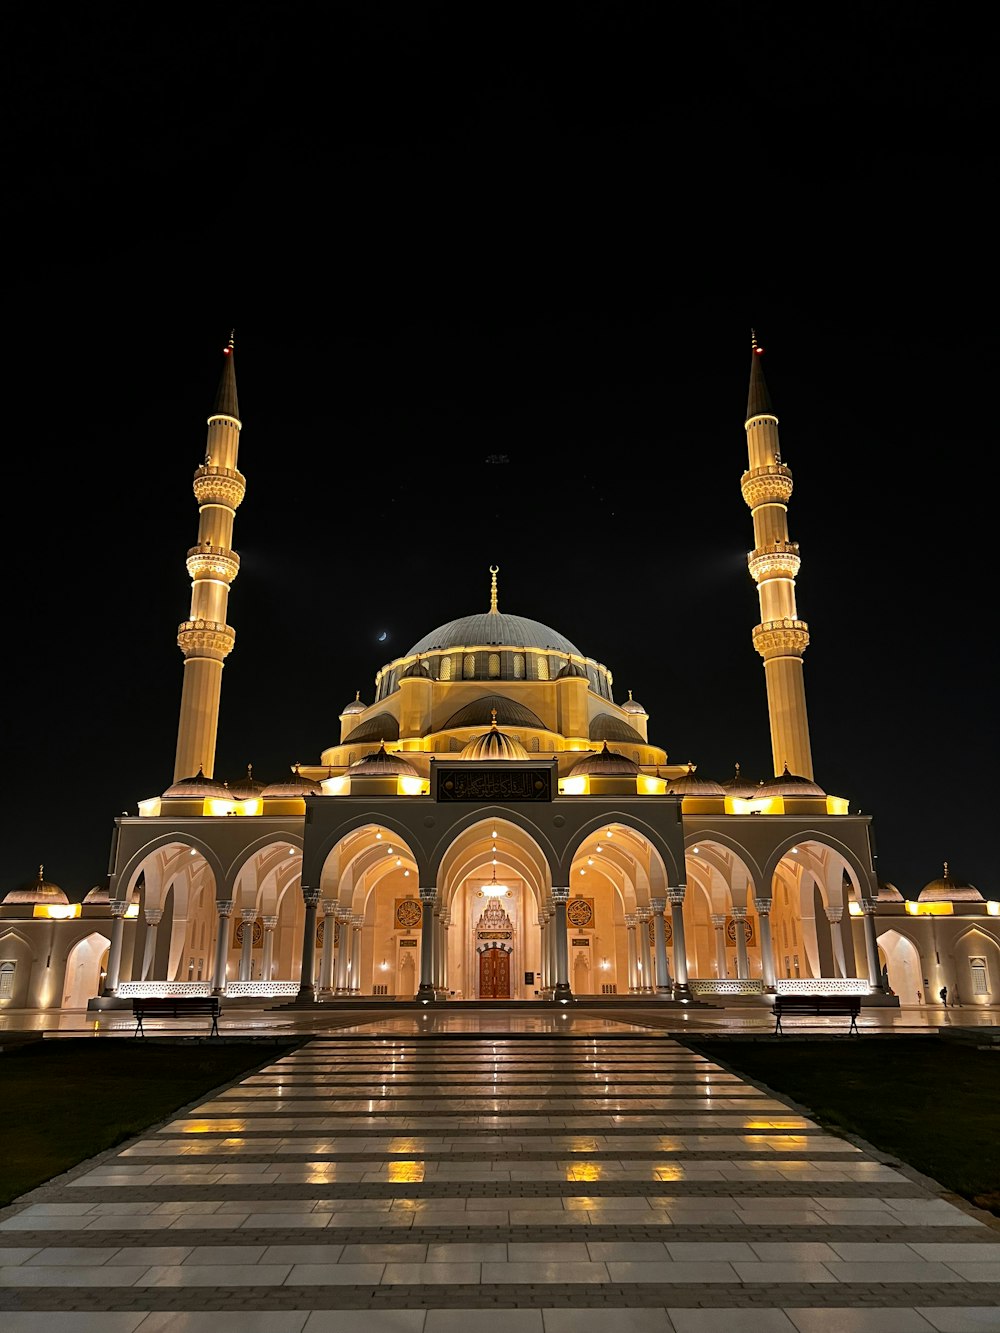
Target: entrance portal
[{"x": 494, "y": 974}]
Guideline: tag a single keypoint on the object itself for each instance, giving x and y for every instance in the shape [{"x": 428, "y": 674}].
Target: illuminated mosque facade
[{"x": 494, "y": 825}]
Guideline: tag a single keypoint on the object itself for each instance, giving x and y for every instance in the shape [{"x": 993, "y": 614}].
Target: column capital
[
  {"x": 224, "y": 909},
  {"x": 718, "y": 920},
  {"x": 631, "y": 921},
  {"x": 310, "y": 896},
  {"x": 868, "y": 906},
  {"x": 560, "y": 895},
  {"x": 428, "y": 895},
  {"x": 834, "y": 915},
  {"x": 659, "y": 905},
  {"x": 738, "y": 913},
  {"x": 357, "y": 920},
  {"x": 762, "y": 906},
  {"x": 153, "y": 915},
  {"x": 644, "y": 913},
  {"x": 118, "y": 908},
  {"x": 248, "y": 914},
  {"x": 677, "y": 895},
  {"x": 269, "y": 922},
  {"x": 329, "y": 907}
]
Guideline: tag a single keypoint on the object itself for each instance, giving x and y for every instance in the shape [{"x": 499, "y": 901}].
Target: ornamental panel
[
  {"x": 749, "y": 930},
  {"x": 493, "y": 784},
  {"x": 258, "y": 934},
  {"x": 580, "y": 912},
  {"x": 408, "y": 913}
]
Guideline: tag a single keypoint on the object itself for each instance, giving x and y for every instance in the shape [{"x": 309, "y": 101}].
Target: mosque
[{"x": 493, "y": 825}]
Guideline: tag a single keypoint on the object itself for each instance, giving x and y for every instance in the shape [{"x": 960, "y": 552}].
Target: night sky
[{"x": 493, "y": 281}]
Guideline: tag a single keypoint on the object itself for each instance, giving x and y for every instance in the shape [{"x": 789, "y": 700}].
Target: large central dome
[{"x": 493, "y": 627}]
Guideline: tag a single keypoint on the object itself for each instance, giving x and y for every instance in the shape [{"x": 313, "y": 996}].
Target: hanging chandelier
[{"x": 493, "y": 889}]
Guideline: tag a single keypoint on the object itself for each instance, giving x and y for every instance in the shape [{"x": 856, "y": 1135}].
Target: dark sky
[{"x": 444, "y": 238}]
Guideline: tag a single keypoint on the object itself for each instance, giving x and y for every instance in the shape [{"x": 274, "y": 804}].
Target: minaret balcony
[
  {"x": 767, "y": 485},
  {"x": 213, "y": 562},
  {"x": 205, "y": 638},
  {"x": 776, "y": 560},
  {"x": 219, "y": 486},
  {"x": 781, "y": 638}
]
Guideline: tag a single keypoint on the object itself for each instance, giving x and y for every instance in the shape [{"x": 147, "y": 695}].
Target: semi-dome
[
  {"x": 630, "y": 706},
  {"x": 571, "y": 671},
  {"x": 197, "y": 787},
  {"x": 381, "y": 764},
  {"x": 740, "y": 786},
  {"x": 355, "y": 706},
  {"x": 949, "y": 890},
  {"x": 494, "y": 744},
  {"x": 690, "y": 784},
  {"x": 607, "y": 727},
  {"x": 494, "y": 708},
  {"x": 40, "y": 890},
  {"x": 494, "y": 628},
  {"x": 381, "y": 727},
  {"x": 296, "y": 785},
  {"x": 789, "y": 784},
  {"x": 246, "y": 788},
  {"x": 101, "y": 893},
  {"x": 605, "y": 763}
]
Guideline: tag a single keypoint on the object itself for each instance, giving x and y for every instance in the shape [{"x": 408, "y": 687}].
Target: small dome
[
  {"x": 416, "y": 668},
  {"x": 197, "y": 787},
  {"x": 949, "y": 890},
  {"x": 571, "y": 671},
  {"x": 740, "y": 786},
  {"x": 40, "y": 890},
  {"x": 887, "y": 893},
  {"x": 494, "y": 744},
  {"x": 605, "y": 763},
  {"x": 689, "y": 784},
  {"x": 355, "y": 706},
  {"x": 789, "y": 784},
  {"x": 246, "y": 787},
  {"x": 101, "y": 893},
  {"x": 296, "y": 785},
  {"x": 381, "y": 764},
  {"x": 630, "y": 706}
]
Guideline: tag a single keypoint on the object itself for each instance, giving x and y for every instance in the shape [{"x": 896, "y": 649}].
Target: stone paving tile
[{"x": 623, "y": 1182}]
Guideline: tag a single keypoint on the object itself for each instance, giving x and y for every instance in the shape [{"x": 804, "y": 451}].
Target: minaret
[
  {"x": 780, "y": 638},
  {"x": 205, "y": 639}
]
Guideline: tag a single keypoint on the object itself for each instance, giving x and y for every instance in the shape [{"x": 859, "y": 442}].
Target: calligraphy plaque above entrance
[{"x": 517, "y": 783}]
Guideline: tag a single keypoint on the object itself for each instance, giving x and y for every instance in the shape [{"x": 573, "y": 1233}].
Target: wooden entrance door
[{"x": 494, "y": 975}]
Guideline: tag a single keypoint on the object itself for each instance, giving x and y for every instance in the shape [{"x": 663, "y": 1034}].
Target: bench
[
  {"x": 848, "y": 1006},
  {"x": 175, "y": 1006}
]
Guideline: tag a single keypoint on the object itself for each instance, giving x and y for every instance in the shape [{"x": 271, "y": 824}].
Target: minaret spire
[
  {"x": 205, "y": 638},
  {"x": 494, "y": 571},
  {"x": 781, "y": 638}
]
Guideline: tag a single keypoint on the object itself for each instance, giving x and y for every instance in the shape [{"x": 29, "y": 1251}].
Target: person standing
[{"x": 943, "y": 992}]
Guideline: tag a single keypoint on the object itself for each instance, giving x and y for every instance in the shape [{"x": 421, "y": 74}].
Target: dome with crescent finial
[
  {"x": 789, "y": 784},
  {"x": 494, "y": 744},
  {"x": 689, "y": 784},
  {"x": 494, "y": 628},
  {"x": 740, "y": 786},
  {"x": 381, "y": 764},
  {"x": 296, "y": 785},
  {"x": 355, "y": 706},
  {"x": 947, "y": 889},
  {"x": 605, "y": 763},
  {"x": 196, "y": 788},
  {"x": 40, "y": 890},
  {"x": 630, "y": 706},
  {"x": 245, "y": 789}
]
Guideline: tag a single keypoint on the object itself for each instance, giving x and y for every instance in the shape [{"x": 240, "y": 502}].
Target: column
[
  {"x": 267, "y": 966},
  {"x": 154, "y": 915},
  {"x": 326, "y": 960},
  {"x": 718, "y": 920},
  {"x": 834, "y": 915},
  {"x": 742, "y": 961},
  {"x": 343, "y": 986},
  {"x": 562, "y": 993},
  {"x": 223, "y": 911},
  {"x": 682, "y": 991},
  {"x": 356, "y": 922},
  {"x": 633, "y": 970},
  {"x": 552, "y": 947},
  {"x": 663, "y": 986},
  {"x": 543, "y": 944},
  {"x": 248, "y": 915},
  {"x": 118, "y": 909},
  {"x": 440, "y": 915},
  {"x": 646, "y": 964},
  {"x": 871, "y": 947},
  {"x": 763, "y": 908},
  {"x": 425, "y": 991},
  {"x": 307, "y": 988}
]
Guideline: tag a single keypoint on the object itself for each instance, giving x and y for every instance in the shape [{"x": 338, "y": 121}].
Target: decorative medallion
[
  {"x": 749, "y": 933},
  {"x": 409, "y": 913},
  {"x": 258, "y": 934},
  {"x": 580, "y": 912}
]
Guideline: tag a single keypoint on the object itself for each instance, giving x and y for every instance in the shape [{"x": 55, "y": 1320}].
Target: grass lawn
[
  {"x": 67, "y": 1099},
  {"x": 933, "y": 1103}
]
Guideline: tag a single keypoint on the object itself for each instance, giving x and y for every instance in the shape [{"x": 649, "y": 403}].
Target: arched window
[
  {"x": 7, "y": 980},
  {"x": 445, "y": 669},
  {"x": 519, "y": 666},
  {"x": 469, "y": 666},
  {"x": 542, "y": 668},
  {"x": 494, "y": 666}
]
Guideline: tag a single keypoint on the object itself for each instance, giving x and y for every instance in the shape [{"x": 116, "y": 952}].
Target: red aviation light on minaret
[
  {"x": 230, "y": 345},
  {"x": 753, "y": 343}
]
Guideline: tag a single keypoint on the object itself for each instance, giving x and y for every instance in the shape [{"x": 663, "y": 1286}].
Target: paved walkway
[{"x": 385, "y": 1181}]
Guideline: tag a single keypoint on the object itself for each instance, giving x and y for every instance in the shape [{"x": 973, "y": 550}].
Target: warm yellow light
[
  {"x": 648, "y": 785},
  {"x": 578, "y": 786},
  {"x": 150, "y": 808},
  {"x": 992, "y": 908},
  {"x": 216, "y": 806},
  {"x": 413, "y": 786},
  {"x": 855, "y": 909},
  {"x": 340, "y": 786},
  {"x": 57, "y": 911},
  {"x": 929, "y": 909},
  {"x": 837, "y": 805},
  {"x": 251, "y": 807},
  {"x": 132, "y": 911}
]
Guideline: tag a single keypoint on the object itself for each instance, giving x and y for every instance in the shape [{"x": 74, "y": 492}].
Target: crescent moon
[{"x": 382, "y": 637}]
